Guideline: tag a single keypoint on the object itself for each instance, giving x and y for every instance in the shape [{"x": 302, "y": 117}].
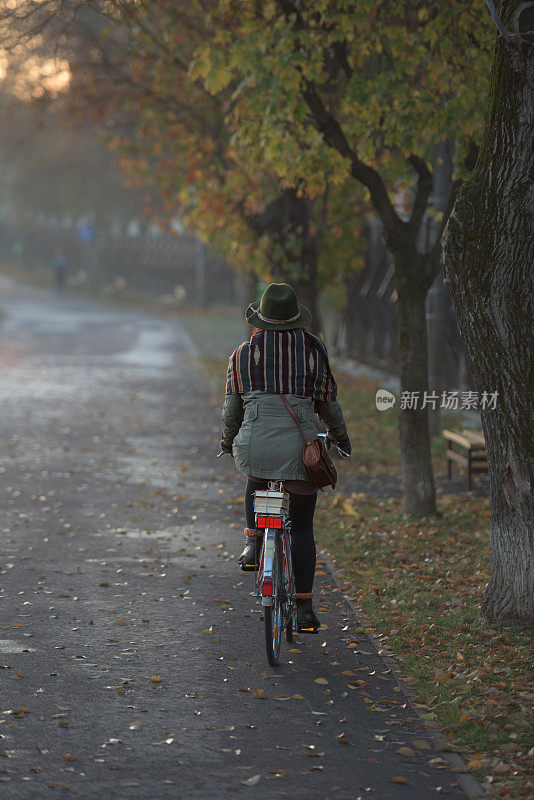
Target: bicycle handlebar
[{"x": 329, "y": 442}]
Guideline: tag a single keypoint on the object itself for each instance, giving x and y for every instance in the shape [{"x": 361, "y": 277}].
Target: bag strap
[{"x": 295, "y": 420}]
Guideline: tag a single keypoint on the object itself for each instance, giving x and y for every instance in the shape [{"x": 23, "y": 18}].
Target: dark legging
[{"x": 301, "y": 510}]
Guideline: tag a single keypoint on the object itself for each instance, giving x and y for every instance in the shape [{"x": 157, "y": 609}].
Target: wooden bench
[{"x": 475, "y": 460}]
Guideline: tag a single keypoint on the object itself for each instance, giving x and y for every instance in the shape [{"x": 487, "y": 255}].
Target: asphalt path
[{"x": 131, "y": 648}]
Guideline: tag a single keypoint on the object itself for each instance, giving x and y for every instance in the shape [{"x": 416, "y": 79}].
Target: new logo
[{"x": 384, "y": 400}]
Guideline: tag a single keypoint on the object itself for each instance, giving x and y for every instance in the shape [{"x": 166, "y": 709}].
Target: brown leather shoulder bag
[{"x": 318, "y": 463}]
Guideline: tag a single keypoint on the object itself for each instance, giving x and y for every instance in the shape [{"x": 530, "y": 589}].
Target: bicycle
[{"x": 275, "y": 584}]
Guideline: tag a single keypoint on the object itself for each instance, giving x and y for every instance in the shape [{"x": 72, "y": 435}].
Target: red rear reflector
[
  {"x": 267, "y": 589},
  {"x": 269, "y": 522}
]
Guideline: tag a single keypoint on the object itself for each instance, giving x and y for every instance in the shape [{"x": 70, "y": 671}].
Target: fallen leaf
[
  {"x": 155, "y": 679},
  {"x": 406, "y": 751},
  {"x": 322, "y": 681},
  {"x": 399, "y": 779},
  {"x": 261, "y": 693},
  {"x": 474, "y": 764},
  {"x": 421, "y": 744},
  {"x": 252, "y": 781}
]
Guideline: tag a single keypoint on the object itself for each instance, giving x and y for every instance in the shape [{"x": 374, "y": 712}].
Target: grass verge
[{"x": 420, "y": 584}]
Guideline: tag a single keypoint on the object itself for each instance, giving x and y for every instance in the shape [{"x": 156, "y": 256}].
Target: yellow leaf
[
  {"x": 295, "y": 650},
  {"x": 464, "y": 717},
  {"x": 322, "y": 681},
  {"x": 474, "y": 764},
  {"x": 421, "y": 744},
  {"x": 217, "y": 78},
  {"x": 201, "y": 64},
  {"x": 155, "y": 679},
  {"x": 121, "y": 622},
  {"x": 298, "y": 697},
  {"x": 261, "y": 693},
  {"x": 399, "y": 779},
  {"x": 405, "y": 751},
  {"x": 348, "y": 508}
]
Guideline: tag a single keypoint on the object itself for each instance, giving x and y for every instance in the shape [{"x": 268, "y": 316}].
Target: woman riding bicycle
[{"x": 282, "y": 357}]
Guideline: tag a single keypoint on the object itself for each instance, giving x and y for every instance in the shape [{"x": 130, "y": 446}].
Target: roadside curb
[{"x": 472, "y": 788}]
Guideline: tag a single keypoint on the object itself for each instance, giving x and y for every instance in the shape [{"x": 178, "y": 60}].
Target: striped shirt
[{"x": 287, "y": 362}]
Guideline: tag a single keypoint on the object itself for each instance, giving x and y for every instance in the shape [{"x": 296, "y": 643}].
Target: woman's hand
[
  {"x": 344, "y": 446},
  {"x": 226, "y": 448}
]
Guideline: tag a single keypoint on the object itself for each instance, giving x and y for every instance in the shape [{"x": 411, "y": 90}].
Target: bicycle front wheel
[{"x": 273, "y": 613}]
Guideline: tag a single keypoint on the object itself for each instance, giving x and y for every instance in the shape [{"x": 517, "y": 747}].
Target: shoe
[
  {"x": 307, "y": 621},
  {"x": 250, "y": 557}
]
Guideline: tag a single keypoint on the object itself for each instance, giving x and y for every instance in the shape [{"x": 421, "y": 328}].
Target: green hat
[{"x": 278, "y": 310}]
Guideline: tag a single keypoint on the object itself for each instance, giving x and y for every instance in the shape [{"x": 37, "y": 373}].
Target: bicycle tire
[{"x": 273, "y": 614}]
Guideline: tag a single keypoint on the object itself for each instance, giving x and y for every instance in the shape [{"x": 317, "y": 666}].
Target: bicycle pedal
[
  {"x": 249, "y": 567},
  {"x": 308, "y": 630}
]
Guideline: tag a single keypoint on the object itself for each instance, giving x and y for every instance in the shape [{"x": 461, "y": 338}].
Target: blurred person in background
[{"x": 59, "y": 262}]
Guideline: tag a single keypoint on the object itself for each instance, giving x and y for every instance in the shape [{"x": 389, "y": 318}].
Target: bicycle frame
[
  {"x": 275, "y": 583},
  {"x": 265, "y": 571}
]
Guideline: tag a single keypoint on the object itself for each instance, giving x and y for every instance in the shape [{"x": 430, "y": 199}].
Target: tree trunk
[
  {"x": 293, "y": 248},
  {"x": 417, "y": 475},
  {"x": 307, "y": 285},
  {"x": 488, "y": 257}
]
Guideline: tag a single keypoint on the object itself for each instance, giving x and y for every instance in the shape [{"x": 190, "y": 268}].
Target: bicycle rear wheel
[{"x": 273, "y": 613}]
